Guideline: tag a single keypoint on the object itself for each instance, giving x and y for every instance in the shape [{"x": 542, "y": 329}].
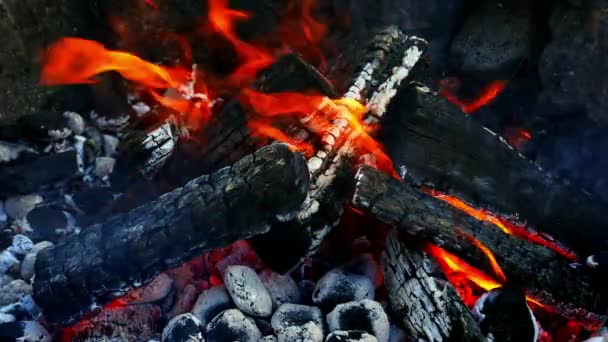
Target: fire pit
[{"x": 303, "y": 170}]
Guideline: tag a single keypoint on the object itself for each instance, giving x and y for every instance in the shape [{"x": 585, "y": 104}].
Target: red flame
[
  {"x": 486, "y": 97},
  {"x": 491, "y": 258},
  {"x": 151, "y": 3},
  {"x": 303, "y": 32}
]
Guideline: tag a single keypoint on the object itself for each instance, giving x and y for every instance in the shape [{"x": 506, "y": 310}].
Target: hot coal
[
  {"x": 350, "y": 336},
  {"x": 309, "y": 332},
  {"x": 339, "y": 286},
  {"x": 24, "y": 331},
  {"x": 183, "y": 328},
  {"x": 247, "y": 291},
  {"x": 184, "y": 301},
  {"x": 210, "y": 303},
  {"x": 365, "y": 315},
  {"x": 154, "y": 292},
  {"x": 290, "y": 315},
  {"x": 282, "y": 288},
  {"x": 232, "y": 325}
]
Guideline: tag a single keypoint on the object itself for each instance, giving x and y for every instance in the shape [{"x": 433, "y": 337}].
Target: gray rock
[
  {"x": 309, "y": 332},
  {"x": 351, "y": 336},
  {"x": 17, "y": 207},
  {"x": 183, "y": 328},
  {"x": 7, "y": 260},
  {"x": 103, "y": 166},
  {"x": 366, "y": 315},
  {"x": 27, "y": 331},
  {"x": 493, "y": 39},
  {"x": 232, "y": 325},
  {"x": 282, "y": 288},
  {"x": 210, "y": 303},
  {"x": 153, "y": 292},
  {"x": 75, "y": 122},
  {"x": 247, "y": 291},
  {"x": 337, "y": 286},
  {"x": 21, "y": 245},
  {"x": 289, "y": 315},
  {"x": 27, "y": 266},
  {"x": 13, "y": 291}
]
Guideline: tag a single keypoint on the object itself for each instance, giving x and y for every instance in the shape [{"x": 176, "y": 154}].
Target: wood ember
[
  {"x": 546, "y": 275},
  {"x": 211, "y": 211}
]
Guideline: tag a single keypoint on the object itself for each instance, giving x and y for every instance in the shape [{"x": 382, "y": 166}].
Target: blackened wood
[
  {"x": 209, "y": 212},
  {"x": 544, "y": 274},
  {"x": 434, "y": 144},
  {"x": 427, "y": 305}
]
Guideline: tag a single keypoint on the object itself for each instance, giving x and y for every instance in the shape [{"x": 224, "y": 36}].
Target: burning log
[
  {"x": 211, "y": 211},
  {"x": 429, "y": 307},
  {"x": 546, "y": 276},
  {"x": 434, "y": 144}
]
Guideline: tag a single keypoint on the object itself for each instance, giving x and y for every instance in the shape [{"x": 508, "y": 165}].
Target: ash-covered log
[
  {"x": 544, "y": 274},
  {"x": 432, "y": 143},
  {"x": 211, "y": 211},
  {"x": 428, "y": 306}
]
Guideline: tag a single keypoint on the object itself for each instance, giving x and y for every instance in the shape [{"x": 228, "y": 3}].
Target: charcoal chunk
[
  {"x": 18, "y": 207},
  {"x": 27, "y": 331},
  {"x": 27, "y": 266},
  {"x": 183, "y": 328},
  {"x": 46, "y": 221},
  {"x": 13, "y": 291},
  {"x": 289, "y": 315},
  {"x": 247, "y": 291},
  {"x": 210, "y": 303},
  {"x": 309, "y": 332},
  {"x": 282, "y": 288},
  {"x": 350, "y": 336},
  {"x": 44, "y": 126},
  {"x": 21, "y": 245},
  {"x": 232, "y": 325},
  {"x": 337, "y": 286},
  {"x": 154, "y": 292},
  {"x": 366, "y": 315},
  {"x": 269, "y": 338}
]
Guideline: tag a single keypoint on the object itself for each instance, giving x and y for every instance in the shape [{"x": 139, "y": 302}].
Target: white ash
[
  {"x": 185, "y": 301},
  {"x": 232, "y": 325},
  {"x": 269, "y": 338},
  {"x": 21, "y": 245},
  {"x": 5, "y": 318},
  {"x": 247, "y": 291},
  {"x": 110, "y": 145},
  {"x": 75, "y": 122},
  {"x": 7, "y": 260},
  {"x": 282, "y": 288},
  {"x": 183, "y": 328},
  {"x": 13, "y": 291},
  {"x": 24, "y": 307},
  {"x": 17, "y": 207},
  {"x": 27, "y": 331},
  {"x": 141, "y": 108},
  {"x": 289, "y": 315},
  {"x": 210, "y": 303},
  {"x": 59, "y": 134},
  {"x": 155, "y": 291},
  {"x": 309, "y": 332},
  {"x": 79, "y": 141},
  {"x": 28, "y": 263},
  {"x": 351, "y": 336},
  {"x": 365, "y": 315},
  {"x": 103, "y": 167},
  {"x": 110, "y": 124},
  {"x": 12, "y": 151}
]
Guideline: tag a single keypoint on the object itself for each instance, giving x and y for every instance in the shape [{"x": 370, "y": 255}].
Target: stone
[
  {"x": 247, "y": 291},
  {"x": 13, "y": 291},
  {"x": 232, "y": 325},
  {"x": 282, "y": 288},
  {"x": 103, "y": 167},
  {"x": 27, "y": 266},
  {"x": 183, "y": 328},
  {"x": 351, "y": 336},
  {"x": 309, "y": 332},
  {"x": 337, "y": 286},
  {"x": 17, "y": 207},
  {"x": 153, "y": 292},
  {"x": 7, "y": 260},
  {"x": 75, "y": 122},
  {"x": 21, "y": 245},
  {"x": 288, "y": 315},
  {"x": 210, "y": 303},
  {"x": 366, "y": 315},
  {"x": 27, "y": 331},
  {"x": 494, "y": 39}
]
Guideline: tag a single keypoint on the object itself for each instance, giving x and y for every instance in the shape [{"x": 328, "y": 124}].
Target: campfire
[{"x": 303, "y": 170}]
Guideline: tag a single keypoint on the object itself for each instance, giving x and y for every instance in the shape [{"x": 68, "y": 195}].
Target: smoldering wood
[
  {"x": 428, "y": 306},
  {"x": 434, "y": 144},
  {"x": 544, "y": 274},
  {"x": 211, "y": 211}
]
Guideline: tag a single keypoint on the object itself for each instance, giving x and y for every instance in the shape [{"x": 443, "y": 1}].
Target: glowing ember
[
  {"x": 487, "y": 95},
  {"x": 503, "y": 224},
  {"x": 151, "y": 3},
  {"x": 266, "y": 130},
  {"x": 488, "y": 253}
]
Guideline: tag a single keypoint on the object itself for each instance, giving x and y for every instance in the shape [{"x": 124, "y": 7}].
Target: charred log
[
  {"x": 434, "y": 144},
  {"x": 544, "y": 274},
  {"x": 428, "y": 306},
  {"x": 209, "y": 212}
]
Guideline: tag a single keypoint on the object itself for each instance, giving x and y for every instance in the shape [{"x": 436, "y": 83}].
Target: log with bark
[
  {"x": 544, "y": 274},
  {"x": 432, "y": 143},
  {"x": 211, "y": 211}
]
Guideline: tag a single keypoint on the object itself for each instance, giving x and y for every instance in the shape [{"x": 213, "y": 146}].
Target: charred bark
[
  {"x": 428, "y": 306},
  {"x": 209, "y": 212},
  {"x": 433, "y": 143},
  {"x": 544, "y": 274}
]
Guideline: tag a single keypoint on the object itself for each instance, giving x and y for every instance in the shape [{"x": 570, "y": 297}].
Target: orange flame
[
  {"x": 488, "y": 253},
  {"x": 266, "y": 130},
  {"x": 77, "y": 61},
  {"x": 253, "y": 59},
  {"x": 486, "y": 97},
  {"x": 503, "y": 224}
]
